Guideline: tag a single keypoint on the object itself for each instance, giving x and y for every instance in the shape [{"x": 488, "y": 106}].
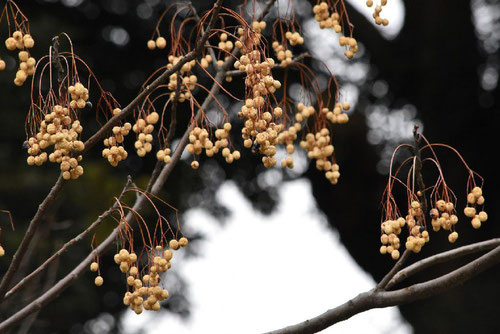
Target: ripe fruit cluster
[
  {"x": 475, "y": 198},
  {"x": 98, "y": 281},
  {"x": 327, "y": 20},
  {"x": 260, "y": 134},
  {"x": 79, "y": 96},
  {"x": 146, "y": 292},
  {"x": 294, "y": 38},
  {"x": 389, "y": 238},
  {"x": 376, "y": 12},
  {"x": 415, "y": 222},
  {"x": 337, "y": 115},
  {"x": 164, "y": 155},
  {"x": 259, "y": 77},
  {"x": 318, "y": 147},
  {"x": 114, "y": 152},
  {"x": 188, "y": 81},
  {"x": 283, "y": 54},
  {"x": 59, "y": 130},
  {"x": 258, "y": 26},
  {"x": 443, "y": 216},
  {"x": 160, "y": 43},
  {"x": 22, "y": 42},
  {"x": 144, "y": 128},
  {"x": 224, "y": 44},
  {"x": 287, "y": 138},
  {"x": 206, "y": 61}
]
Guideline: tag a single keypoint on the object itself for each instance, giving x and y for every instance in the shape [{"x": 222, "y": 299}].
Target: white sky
[{"x": 259, "y": 273}]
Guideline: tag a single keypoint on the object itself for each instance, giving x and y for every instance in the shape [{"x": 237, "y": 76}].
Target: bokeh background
[{"x": 270, "y": 247}]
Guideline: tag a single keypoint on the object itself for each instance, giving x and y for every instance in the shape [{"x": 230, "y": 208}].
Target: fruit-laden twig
[{"x": 100, "y": 134}]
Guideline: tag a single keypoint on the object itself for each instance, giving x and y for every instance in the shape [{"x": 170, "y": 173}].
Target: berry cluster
[
  {"x": 443, "y": 216},
  {"x": 376, "y": 12},
  {"x": 164, "y": 155},
  {"x": 259, "y": 77},
  {"x": 351, "y": 43},
  {"x": 59, "y": 130},
  {"x": 115, "y": 152},
  {"x": 79, "y": 96},
  {"x": 294, "y": 38},
  {"x": 283, "y": 54},
  {"x": 94, "y": 267},
  {"x": 287, "y": 138},
  {"x": 160, "y": 43},
  {"x": 146, "y": 291},
  {"x": 206, "y": 61},
  {"x": 475, "y": 198},
  {"x": 257, "y": 27},
  {"x": 143, "y": 128},
  {"x": 389, "y": 238},
  {"x": 188, "y": 81},
  {"x": 327, "y": 20},
  {"x": 260, "y": 134},
  {"x": 337, "y": 115},
  {"x": 318, "y": 147},
  {"x": 322, "y": 15},
  {"x": 21, "y": 42},
  {"x": 224, "y": 44}
]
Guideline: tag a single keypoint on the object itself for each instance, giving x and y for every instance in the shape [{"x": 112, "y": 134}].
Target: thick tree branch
[{"x": 379, "y": 298}]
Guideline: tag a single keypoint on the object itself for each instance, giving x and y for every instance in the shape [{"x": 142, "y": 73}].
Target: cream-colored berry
[
  {"x": 183, "y": 242},
  {"x": 98, "y": 281},
  {"x": 94, "y": 266},
  {"x": 174, "y": 244}
]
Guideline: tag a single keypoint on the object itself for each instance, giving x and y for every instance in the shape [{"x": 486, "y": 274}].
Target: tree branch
[
  {"x": 379, "y": 299},
  {"x": 70, "y": 243},
  {"x": 28, "y": 236},
  {"x": 99, "y": 135},
  {"x": 441, "y": 258}
]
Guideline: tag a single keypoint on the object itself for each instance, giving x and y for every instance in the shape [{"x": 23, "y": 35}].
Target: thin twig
[
  {"x": 207, "y": 44},
  {"x": 383, "y": 283},
  {"x": 441, "y": 258}
]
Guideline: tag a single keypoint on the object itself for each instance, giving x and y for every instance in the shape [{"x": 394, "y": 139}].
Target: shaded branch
[
  {"x": 28, "y": 236},
  {"x": 69, "y": 244}
]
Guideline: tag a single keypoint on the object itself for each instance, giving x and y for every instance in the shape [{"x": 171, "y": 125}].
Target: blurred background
[{"x": 269, "y": 247}]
